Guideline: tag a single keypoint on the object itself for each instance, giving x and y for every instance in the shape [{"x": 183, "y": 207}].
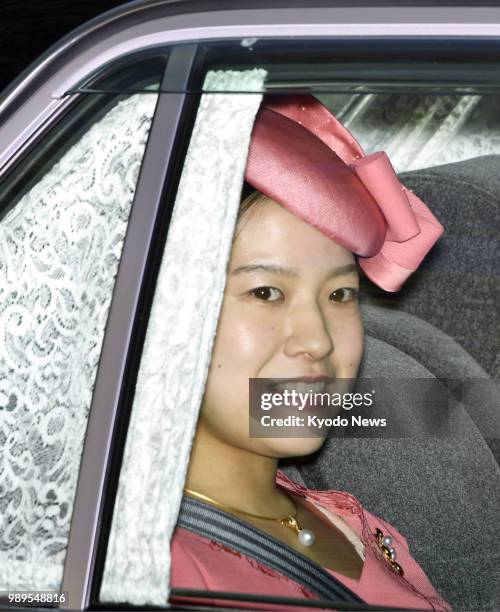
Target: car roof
[{"x": 137, "y": 11}]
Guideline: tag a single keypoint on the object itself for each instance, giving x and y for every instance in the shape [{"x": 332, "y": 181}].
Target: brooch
[{"x": 385, "y": 544}]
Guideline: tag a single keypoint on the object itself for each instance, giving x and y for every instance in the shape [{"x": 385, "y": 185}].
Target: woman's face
[{"x": 290, "y": 310}]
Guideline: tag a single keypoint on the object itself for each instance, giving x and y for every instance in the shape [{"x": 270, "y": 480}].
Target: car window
[
  {"x": 64, "y": 210},
  {"x": 420, "y": 130},
  {"x": 440, "y": 137}
]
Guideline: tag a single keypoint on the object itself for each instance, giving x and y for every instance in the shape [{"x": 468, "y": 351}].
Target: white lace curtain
[
  {"x": 418, "y": 130},
  {"x": 178, "y": 344},
  {"x": 59, "y": 251}
]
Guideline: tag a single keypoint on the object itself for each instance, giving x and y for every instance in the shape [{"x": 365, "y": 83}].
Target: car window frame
[{"x": 118, "y": 365}]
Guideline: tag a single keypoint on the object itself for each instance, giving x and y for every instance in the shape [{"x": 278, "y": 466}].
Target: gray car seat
[
  {"x": 442, "y": 493},
  {"x": 457, "y": 287}
]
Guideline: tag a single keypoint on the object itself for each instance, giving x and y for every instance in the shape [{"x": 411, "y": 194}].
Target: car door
[{"x": 67, "y": 206}]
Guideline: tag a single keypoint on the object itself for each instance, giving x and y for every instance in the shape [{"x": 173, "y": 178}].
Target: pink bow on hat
[
  {"x": 411, "y": 227},
  {"x": 305, "y": 159}
]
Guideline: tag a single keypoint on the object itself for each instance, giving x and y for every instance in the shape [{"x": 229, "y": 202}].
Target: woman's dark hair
[
  {"x": 246, "y": 191},
  {"x": 249, "y": 197}
]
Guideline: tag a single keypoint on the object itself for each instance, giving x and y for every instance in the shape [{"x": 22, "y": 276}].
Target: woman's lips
[
  {"x": 303, "y": 386},
  {"x": 304, "y": 378},
  {"x": 302, "y": 390}
]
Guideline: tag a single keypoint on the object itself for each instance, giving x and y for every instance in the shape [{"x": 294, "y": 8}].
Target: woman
[{"x": 318, "y": 210}]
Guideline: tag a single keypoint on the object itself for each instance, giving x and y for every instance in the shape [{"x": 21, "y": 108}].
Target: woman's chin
[{"x": 282, "y": 448}]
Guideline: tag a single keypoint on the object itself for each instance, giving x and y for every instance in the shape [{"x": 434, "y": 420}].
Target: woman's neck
[{"x": 235, "y": 477}]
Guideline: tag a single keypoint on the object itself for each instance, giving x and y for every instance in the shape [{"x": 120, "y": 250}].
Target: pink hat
[{"x": 303, "y": 158}]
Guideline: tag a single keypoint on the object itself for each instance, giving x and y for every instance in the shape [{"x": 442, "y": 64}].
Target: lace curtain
[
  {"x": 59, "y": 251},
  {"x": 418, "y": 130},
  {"x": 177, "y": 350}
]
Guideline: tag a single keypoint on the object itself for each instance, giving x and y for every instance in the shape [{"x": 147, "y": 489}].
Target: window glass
[
  {"x": 374, "y": 501},
  {"x": 137, "y": 72},
  {"x": 360, "y": 65},
  {"x": 421, "y": 130},
  {"x": 64, "y": 211}
]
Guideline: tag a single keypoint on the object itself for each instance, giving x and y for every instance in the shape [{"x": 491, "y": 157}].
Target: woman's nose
[{"x": 307, "y": 333}]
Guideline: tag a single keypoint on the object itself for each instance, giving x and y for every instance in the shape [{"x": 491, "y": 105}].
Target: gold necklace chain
[
  {"x": 266, "y": 518},
  {"x": 305, "y": 536}
]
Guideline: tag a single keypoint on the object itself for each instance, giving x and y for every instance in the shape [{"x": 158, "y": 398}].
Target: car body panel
[{"x": 41, "y": 97}]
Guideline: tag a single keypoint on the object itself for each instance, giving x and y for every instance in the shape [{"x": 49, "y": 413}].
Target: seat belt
[{"x": 216, "y": 524}]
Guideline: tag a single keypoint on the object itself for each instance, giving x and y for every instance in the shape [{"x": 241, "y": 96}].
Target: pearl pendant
[{"x": 306, "y": 537}]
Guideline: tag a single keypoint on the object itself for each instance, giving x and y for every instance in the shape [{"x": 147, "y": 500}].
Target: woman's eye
[
  {"x": 344, "y": 294},
  {"x": 267, "y": 294}
]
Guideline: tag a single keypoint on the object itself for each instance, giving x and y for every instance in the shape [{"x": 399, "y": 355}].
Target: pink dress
[{"x": 201, "y": 563}]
